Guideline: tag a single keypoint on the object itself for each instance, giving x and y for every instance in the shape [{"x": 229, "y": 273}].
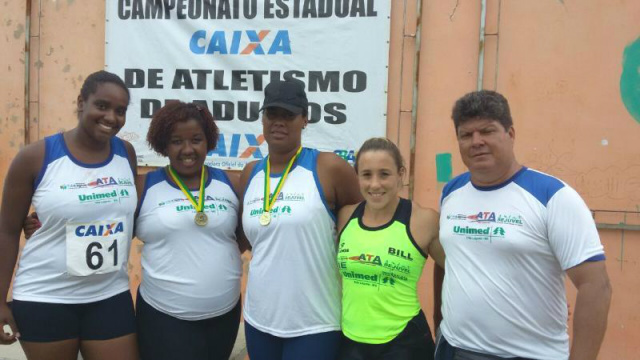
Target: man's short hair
[{"x": 483, "y": 104}]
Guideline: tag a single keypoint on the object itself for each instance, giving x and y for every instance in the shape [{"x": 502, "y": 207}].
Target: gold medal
[
  {"x": 270, "y": 199},
  {"x": 265, "y": 218},
  {"x": 201, "y": 219}
]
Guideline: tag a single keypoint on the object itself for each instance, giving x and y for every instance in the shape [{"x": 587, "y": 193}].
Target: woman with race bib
[
  {"x": 71, "y": 290},
  {"x": 383, "y": 246},
  {"x": 188, "y": 303},
  {"x": 292, "y": 302}
]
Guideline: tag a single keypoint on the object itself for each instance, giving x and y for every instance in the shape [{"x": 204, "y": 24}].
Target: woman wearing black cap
[{"x": 292, "y": 304}]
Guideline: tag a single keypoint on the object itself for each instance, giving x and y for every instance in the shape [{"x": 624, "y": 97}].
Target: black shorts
[
  {"x": 413, "y": 343},
  {"x": 164, "y": 337},
  {"x": 446, "y": 351},
  {"x": 101, "y": 320}
]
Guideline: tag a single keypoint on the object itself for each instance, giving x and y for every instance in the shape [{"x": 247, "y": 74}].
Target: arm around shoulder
[
  {"x": 344, "y": 215},
  {"x": 425, "y": 227},
  {"x": 339, "y": 180}
]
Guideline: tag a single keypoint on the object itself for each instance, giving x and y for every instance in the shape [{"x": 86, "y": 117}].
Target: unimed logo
[
  {"x": 97, "y": 196},
  {"x": 471, "y": 231},
  {"x": 358, "y": 276},
  {"x": 485, "y": 232},
  {"x": 229, "y": 42}
]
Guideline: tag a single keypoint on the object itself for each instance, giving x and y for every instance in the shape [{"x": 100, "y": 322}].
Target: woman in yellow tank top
[{"x": 384, "y": 242}]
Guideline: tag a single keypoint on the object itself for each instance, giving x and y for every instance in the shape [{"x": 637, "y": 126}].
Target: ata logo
[
  {"x": 490, "y": 216},
  {"x": 228, "y": 43},
  {"x": 367, "y": 259},
  {"x": 105, "y": 181},
  {"x": 483, "y": 216}
]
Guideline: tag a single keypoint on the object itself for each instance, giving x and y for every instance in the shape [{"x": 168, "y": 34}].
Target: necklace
[
  {"x": 201, "y": 218},
  {"x": 265, "y": 218}
]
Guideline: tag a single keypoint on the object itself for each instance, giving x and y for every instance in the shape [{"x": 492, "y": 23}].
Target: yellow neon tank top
[{"x": 380, "y": 268}]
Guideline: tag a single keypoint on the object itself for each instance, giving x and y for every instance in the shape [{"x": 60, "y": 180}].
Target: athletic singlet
[
  {"x": 80, "y": 253},
  {"x": 293, "y": 286},
  {"x": 190, "y": 272},
  {"x": 380, "y": 268}
]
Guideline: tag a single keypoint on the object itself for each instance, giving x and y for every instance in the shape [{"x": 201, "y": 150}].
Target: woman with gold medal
[
  {"x": 188, "y": 303},
  {"x": 292, "y": 302}
]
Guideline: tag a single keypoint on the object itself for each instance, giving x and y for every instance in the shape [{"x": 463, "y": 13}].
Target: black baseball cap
[{"x": 287, "y": 94}]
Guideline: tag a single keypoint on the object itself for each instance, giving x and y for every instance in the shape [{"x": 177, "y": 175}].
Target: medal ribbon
[
  {"x": 200, "y": 205},
  {"x": 270, "y": 201}
]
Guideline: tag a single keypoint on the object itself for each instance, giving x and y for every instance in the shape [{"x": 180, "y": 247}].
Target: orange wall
[{"x": 558, "y": 62}]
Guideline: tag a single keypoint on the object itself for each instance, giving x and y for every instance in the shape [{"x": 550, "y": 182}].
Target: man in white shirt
[{"x": 510, "y": 234}]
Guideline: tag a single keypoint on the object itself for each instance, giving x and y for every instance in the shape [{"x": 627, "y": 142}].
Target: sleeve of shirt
[{"x": 571, "y": 230}]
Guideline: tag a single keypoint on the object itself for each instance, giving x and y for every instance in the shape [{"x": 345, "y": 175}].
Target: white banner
[{"x": 222, "y": 53}]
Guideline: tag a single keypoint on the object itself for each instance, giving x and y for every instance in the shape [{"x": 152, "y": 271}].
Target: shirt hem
[
  {"x": 584, "y": 258},
  {"x": 369, "y": 341},
  {"x": 293, "y": 333},
  {"x": 378, "y": 341},
  {"x": 191, "y": 318},
  {"x": 455, "y": 343},
  {"x": 60, "y": 300}
]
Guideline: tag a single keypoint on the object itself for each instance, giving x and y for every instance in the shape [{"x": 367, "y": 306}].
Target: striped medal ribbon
[
  {"x": 269, "y": 201},
  {"x": 200, "y": 218}
]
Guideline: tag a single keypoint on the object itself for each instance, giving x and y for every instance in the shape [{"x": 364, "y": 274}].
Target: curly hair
[
  {"x": 484, "y": 104},
  {"x": 164, "y": 120},
  {"x": 381, "y": 144},
  {"x": 92, "y": 81}
]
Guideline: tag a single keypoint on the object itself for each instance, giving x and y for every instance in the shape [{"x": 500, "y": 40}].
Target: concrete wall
[{"x": 560, "y": 64}]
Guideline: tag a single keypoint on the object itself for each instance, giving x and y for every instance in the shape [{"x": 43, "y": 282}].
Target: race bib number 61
[{"x": 96, "y": 247}]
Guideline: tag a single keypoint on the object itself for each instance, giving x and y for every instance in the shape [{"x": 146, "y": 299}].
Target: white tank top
[
  {"x": 293, "y": 287},
  {"x": 190, "y": 272},
  {"x": 80, "y": 253}
]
